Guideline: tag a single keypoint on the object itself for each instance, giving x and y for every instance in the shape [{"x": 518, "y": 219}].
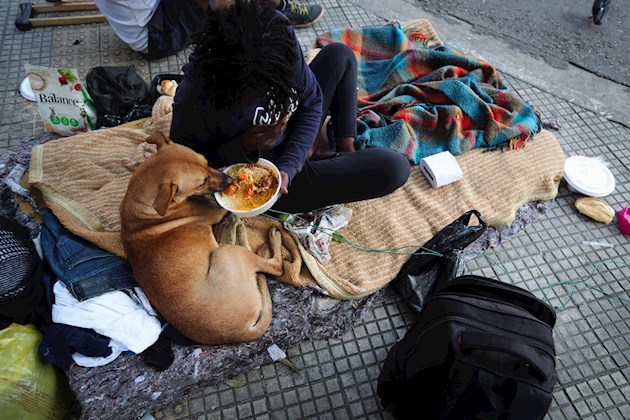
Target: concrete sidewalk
[{"x": 336, "y": 378}]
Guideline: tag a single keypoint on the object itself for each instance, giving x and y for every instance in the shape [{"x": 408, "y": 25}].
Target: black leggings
[
  {"x": 345, "y": 177},
  {"x": 335, "y": 69}
]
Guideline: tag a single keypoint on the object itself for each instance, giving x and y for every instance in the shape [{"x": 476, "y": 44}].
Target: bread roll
[
  {"x": 168, "y": 87},
  {"x": 165, "y": 84},
  {"x": 595, "y": 208}
]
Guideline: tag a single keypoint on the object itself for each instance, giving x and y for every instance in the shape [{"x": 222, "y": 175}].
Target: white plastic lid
[
  {"x": 588, "y": 176},
  {"x": 26, "y": 91}
]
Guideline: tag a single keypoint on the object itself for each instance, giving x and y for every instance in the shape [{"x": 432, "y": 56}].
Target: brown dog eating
[{"x": 212, "y": 294}]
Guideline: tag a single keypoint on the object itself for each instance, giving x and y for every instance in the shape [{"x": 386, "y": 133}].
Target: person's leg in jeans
[
  {"x": 172, "y": 24},
  {"x": 347, "y": 176}
]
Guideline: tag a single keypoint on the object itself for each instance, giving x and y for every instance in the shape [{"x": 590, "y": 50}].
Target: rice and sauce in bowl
[{"x": 255, "y": 188}]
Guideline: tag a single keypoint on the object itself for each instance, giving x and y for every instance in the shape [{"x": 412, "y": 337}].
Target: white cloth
[
  {"x": 112, "y": 314},
  {"x": 87, "y": 361},
  {"x": 315, "y": 229},
  {"x": 129, "y": 19},
  {"x": 441, "y": 169}
]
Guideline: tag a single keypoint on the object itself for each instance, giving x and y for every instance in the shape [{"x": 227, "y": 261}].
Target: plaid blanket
[{"x": 421, "y": 99}]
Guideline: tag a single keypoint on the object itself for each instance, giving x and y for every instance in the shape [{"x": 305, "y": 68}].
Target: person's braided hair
[{"x": 246, "y": 46}]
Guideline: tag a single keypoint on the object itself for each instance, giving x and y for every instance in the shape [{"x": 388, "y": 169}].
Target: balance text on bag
[{"x": 64, "y": 103}]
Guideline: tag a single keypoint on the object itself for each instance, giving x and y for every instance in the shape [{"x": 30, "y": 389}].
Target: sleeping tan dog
[{"x": 212, "y": 294}]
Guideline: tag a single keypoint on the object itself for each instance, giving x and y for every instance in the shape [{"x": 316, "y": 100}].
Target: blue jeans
[{"x": 84, "y": 268}]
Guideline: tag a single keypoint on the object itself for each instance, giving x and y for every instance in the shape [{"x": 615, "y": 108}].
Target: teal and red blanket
[{"x": 422, "y": 100}]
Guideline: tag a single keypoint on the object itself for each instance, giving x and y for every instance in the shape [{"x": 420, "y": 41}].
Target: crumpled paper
[{"x": 315, "y": 229}]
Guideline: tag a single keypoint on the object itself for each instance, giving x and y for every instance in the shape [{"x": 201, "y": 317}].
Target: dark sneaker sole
[{"x": 311, "y": 23}]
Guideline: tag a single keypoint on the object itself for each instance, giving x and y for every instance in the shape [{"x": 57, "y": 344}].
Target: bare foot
[
  {"x": 345, "y": 144},
  {"x": 320, "y": 146}
]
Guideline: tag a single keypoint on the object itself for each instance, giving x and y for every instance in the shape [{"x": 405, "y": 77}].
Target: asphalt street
[{"x": 561, "y": 32}]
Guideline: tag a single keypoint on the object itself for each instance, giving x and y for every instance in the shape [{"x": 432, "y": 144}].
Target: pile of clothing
[{"x": 84, "y": 300}]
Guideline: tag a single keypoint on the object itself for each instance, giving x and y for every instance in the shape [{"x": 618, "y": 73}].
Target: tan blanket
[
  {"x": 495, "y": 183},
  {"x": 83, "y": 179}
]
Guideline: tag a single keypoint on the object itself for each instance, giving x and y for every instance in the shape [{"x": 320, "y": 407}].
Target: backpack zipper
[
  {"x": 489, "y": 299},
  {"x": 486, "y": 327},
  {"x": 483, "y": 326}
]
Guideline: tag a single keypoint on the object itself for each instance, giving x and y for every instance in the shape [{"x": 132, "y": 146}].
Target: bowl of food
[{"x": 255, "y": 188}]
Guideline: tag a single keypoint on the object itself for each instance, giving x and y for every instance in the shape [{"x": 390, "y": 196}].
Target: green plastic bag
[{"x": 29, "y": 387}]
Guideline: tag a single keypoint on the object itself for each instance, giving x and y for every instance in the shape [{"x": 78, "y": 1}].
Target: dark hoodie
[{"x": 216, "y": 134}]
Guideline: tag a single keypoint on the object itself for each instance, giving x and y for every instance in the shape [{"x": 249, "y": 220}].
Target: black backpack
[{"x": 480, "y": 349}]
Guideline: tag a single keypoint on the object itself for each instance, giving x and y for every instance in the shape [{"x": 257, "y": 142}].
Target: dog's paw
[
  {"x": 241, "y": 236},
  {"x": 274, "y": 235},
  {"x": 226, "y": 231}
]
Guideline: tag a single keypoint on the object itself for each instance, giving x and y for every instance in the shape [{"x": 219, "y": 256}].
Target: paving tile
[
  {"x": 336, "y": 378},
  {"x": 108, "y": 40},
  {"x": 82, "y": 62},
  {"x": 196, "y": 406},
  {"x": 76, "y": 39},
  {"x": 122, "y": 57}
]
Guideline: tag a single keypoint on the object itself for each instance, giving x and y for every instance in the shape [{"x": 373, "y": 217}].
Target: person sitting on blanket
[
  {"x": 158, "y": 28},
  {"x": 266, "y": 101}
]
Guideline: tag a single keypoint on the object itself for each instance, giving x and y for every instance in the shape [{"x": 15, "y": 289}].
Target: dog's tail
[{"x": 263, "y": 321}]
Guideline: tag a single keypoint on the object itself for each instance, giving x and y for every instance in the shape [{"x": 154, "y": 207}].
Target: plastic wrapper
[
  {"x": 418, "y": 277},
  {"x": 315, "y": 229},
  {"x": 29, "y": 388},
  {"x": 119, "y": 93},
  {"x": 63, "y": 102}
]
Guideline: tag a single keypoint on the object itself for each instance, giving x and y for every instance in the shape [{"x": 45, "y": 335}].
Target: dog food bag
[{"x": 64, "y": 103}]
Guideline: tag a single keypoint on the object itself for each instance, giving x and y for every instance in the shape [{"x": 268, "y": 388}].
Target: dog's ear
[
  {"x": 165, "y": 196},
  {"x": 159, "y": 139}
]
